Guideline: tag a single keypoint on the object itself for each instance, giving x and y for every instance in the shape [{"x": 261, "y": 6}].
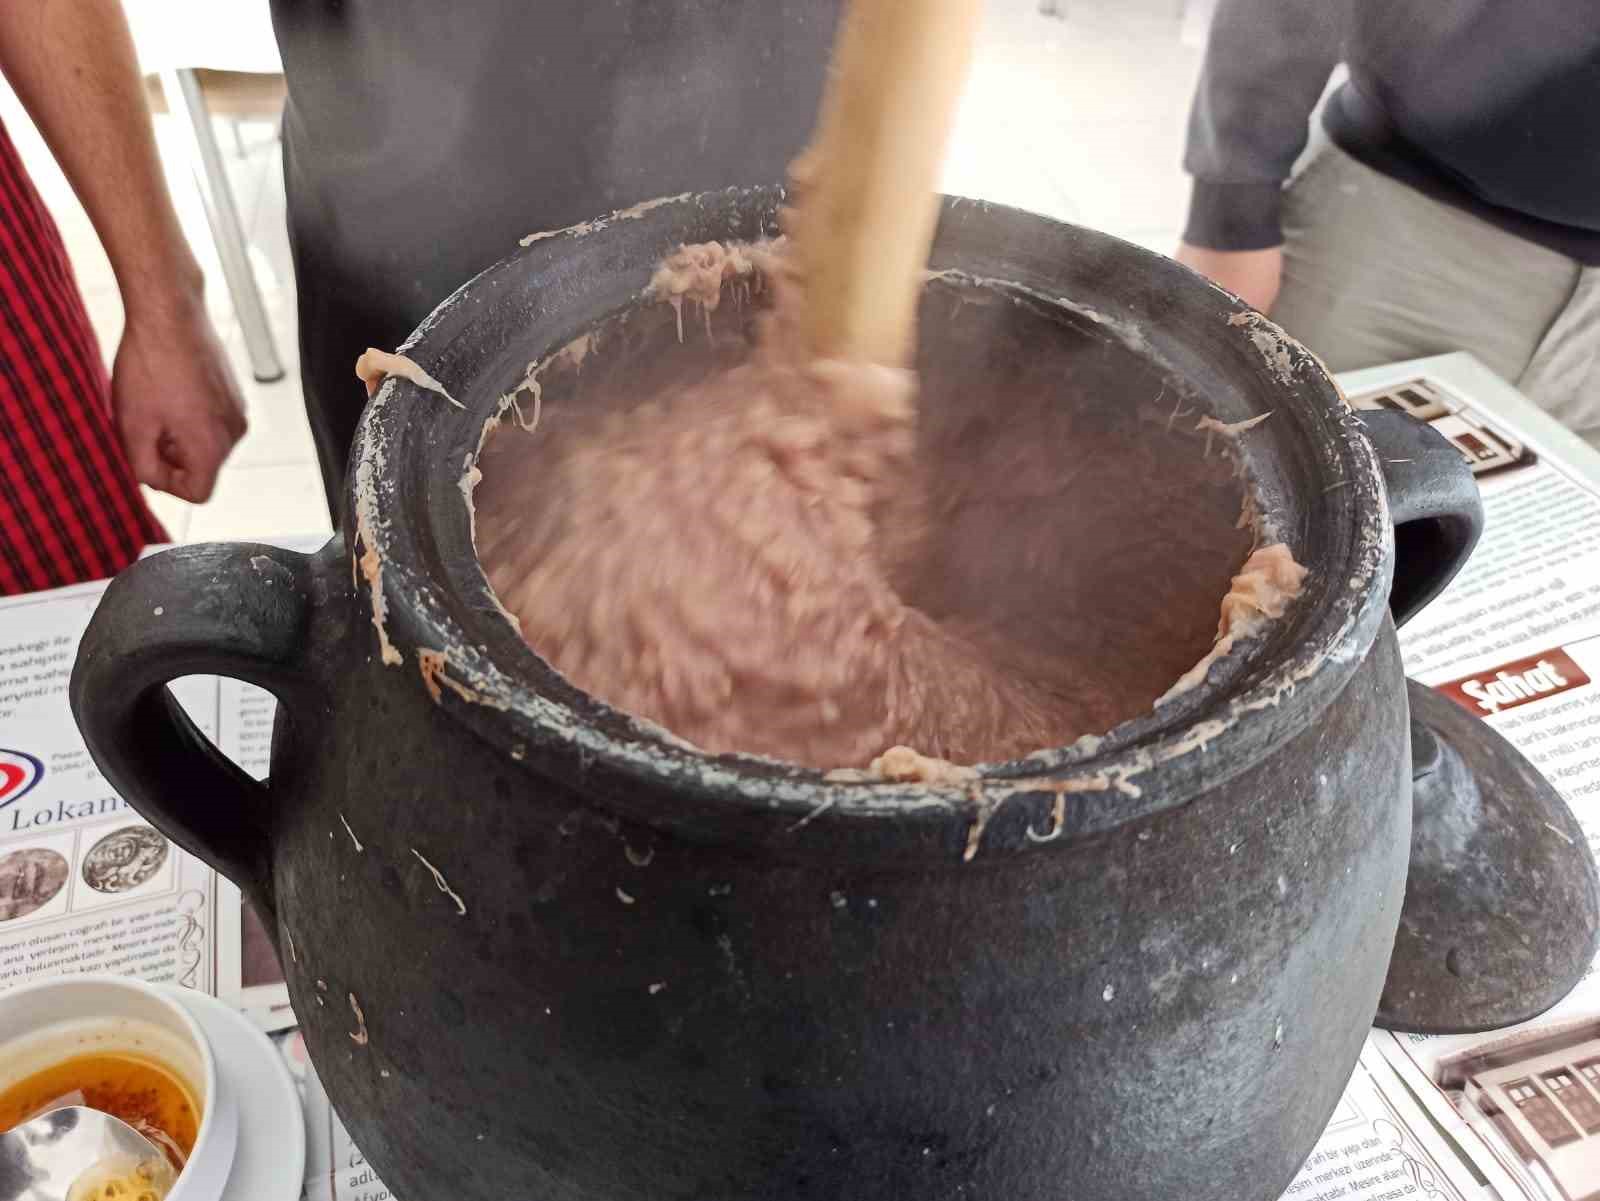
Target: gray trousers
[{"x": 1375, "y": 271}]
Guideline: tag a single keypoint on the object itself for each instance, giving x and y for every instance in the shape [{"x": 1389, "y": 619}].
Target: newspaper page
[
  {"x": 86, "y": 884},
  {"x": 1515, "y": 640},
  {"x": 244, "y": 734},
  {"x": 336, "y": 1170}
]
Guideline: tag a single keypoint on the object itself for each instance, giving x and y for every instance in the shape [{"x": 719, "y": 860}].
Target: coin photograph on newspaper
[
  {"x": 29, "y": 880},
  {"x": 124, "y": 859}
]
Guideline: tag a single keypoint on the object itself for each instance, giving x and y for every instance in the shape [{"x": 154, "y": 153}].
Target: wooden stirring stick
[{"x": 867, "y": 199}]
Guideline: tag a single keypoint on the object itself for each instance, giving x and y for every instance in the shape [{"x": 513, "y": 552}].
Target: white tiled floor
[{"x": 1079, "y": 116}]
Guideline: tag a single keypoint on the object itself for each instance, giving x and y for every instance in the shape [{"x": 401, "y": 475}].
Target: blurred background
[{"x": 1076, "y": 109}]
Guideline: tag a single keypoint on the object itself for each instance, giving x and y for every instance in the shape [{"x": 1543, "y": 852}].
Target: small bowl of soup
[{"x": 125, "y": 1048}]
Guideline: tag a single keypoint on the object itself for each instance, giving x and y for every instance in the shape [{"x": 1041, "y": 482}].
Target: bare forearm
[
  {"x": 72, "y": 64},
  {"x": 177, "y": 409}
]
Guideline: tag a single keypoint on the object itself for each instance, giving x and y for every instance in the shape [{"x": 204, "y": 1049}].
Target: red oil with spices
[{"x": 140, "y": 1091}]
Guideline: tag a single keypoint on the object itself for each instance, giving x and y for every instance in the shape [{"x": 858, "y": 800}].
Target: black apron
[{"x": 423, "y": 138}]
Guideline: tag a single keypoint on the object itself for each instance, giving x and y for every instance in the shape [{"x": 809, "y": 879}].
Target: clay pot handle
[
  {"x": 1433, "y": 502},
  {"x": 241, "y": 610}
]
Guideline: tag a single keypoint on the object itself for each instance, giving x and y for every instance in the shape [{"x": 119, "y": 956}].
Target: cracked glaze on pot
[{"x": 536, "y": 944}]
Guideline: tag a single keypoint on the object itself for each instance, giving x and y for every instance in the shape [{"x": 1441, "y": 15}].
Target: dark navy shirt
[
  {"x": 1489, "y": 105},
  {"x": 422, "y": 139}
]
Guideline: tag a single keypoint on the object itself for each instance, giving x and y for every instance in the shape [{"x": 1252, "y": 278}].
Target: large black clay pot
[{"x": 539, "y": 948}]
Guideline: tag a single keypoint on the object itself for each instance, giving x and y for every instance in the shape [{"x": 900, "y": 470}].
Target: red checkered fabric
[{"x": 70, "y": 508}]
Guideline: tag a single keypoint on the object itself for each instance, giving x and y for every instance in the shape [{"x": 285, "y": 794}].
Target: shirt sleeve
[{"x": 1266, "y": 64}]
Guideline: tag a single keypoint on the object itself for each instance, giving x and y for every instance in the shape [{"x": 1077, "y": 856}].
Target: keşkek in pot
[{"x": 535, "y": 943}]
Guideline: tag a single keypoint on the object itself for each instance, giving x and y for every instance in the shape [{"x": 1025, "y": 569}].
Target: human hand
[
  {"x": 177, "y": 407},
  {"x": 1254, "y": 276}
]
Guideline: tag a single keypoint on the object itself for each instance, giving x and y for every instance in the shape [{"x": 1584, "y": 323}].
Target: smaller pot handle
[
  {"x": 1433, "y": 502},
  {"x": 241, "y": 610}
]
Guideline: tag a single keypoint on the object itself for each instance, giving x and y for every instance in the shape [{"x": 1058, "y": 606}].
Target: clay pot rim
[{"x": 463, "y": 650}]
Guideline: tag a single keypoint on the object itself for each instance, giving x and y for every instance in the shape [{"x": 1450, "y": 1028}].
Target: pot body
[
  {"x": 534, "y": 944},
  {"x": 1171, "y": 1008}
]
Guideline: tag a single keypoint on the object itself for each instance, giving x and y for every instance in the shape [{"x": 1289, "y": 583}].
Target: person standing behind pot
[
  {"x": 74, "y": 444},
  {"x": 423, "y": 140},
  {"x": 1457, "y": 206}
]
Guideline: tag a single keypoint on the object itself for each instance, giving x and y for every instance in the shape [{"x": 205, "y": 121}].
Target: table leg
[{"x": 182, "y": 88}]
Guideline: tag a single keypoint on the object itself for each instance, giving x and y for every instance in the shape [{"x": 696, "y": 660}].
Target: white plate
[{"x": 270, "y": 1162}]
